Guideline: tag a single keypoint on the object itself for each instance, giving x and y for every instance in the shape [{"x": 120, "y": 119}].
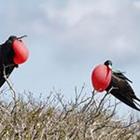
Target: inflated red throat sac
[
  {"x": 101, "y": 77},
  {"x": 21, "y": 53}
]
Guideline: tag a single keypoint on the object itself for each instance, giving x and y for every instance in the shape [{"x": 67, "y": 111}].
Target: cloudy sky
[{"x": 67, "y": 38}]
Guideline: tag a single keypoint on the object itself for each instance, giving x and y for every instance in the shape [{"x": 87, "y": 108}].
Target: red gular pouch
[
  {"x": 21, "y": 53},
  {"x": 101, "y": 77}
]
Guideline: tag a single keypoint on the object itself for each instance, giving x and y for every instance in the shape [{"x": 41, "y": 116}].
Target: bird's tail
[
  {"x": 137, "y": 99},
  {"x": 137, "y": 103}
]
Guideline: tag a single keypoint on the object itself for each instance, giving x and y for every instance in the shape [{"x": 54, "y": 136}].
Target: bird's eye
[{"x": 20, "y": 40}]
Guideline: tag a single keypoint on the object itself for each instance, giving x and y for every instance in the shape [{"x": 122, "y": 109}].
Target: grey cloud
[
  {"x": 109, "y": 28},
  {"x": 74, "y": 34}
]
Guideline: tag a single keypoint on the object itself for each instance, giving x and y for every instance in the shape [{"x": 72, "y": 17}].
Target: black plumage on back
[{"x": 120, "y": 88}]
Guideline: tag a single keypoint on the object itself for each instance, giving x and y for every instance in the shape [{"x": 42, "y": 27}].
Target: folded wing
[{"x": 122, "y": 90}]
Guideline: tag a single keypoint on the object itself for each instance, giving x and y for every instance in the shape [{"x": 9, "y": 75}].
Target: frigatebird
[
  {"x": 118, "y": 85},
  {"x": 12, "y": 53}
]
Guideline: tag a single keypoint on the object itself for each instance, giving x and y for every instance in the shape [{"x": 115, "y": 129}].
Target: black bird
[
  {"x": 7, "y": 55},
  {"x": 121, "y": 89}
]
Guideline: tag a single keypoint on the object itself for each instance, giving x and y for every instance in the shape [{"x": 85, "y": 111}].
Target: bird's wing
[
  {"x": 125, "y": 98},
  {"x": 121, "y": 75},
  {"x": 124, "y": 91},
  {"x": 8, "y": 71}
]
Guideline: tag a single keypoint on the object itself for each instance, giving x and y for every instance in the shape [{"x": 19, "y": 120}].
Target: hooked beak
[{"x": 21, "y": 37}]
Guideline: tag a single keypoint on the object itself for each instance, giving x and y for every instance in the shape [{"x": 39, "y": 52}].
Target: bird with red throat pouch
[
  {"x": 114, "y": 82},
  {"x": 13, "y": 52}
]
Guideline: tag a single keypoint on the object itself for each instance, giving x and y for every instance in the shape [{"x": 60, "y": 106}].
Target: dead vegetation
[{"x": 55, "y": 118}]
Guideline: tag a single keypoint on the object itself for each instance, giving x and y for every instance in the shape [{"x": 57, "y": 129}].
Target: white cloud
[
  {"x": 85, "y": 30},
  {"x": 73, "y": 12},
  {"x": 136, "y": 4}
]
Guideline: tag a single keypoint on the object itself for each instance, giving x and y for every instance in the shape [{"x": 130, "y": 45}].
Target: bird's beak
[{"x": 21, "y": 37}]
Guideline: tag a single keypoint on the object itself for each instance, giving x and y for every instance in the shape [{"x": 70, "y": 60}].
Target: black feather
[
  {"x": 6, "y": 59},
  {"x": 122, "y": 89},
  {"x": 121, "y": 75}
]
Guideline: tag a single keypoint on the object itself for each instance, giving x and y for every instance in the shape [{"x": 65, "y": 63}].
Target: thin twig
[
  {"x": 14, "y": 110},
  {"x": 9, "y": 83}
]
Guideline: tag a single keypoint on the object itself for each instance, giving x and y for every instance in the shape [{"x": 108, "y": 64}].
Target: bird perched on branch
[
  {"x": 116, "y": 83},
  {"x": 12, "y": 53}
]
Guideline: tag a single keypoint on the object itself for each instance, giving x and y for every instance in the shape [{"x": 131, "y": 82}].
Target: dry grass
[{"x": 84, "y": 118}]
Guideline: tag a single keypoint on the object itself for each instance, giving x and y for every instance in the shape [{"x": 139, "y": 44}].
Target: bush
[{"x": 84, "y": 118}]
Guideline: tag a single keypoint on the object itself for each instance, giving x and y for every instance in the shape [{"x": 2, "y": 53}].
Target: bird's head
[
  {"x": 108, "y": 63},
  {"x": 21, "y": 53}
]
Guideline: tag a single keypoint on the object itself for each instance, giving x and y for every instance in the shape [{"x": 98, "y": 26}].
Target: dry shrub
[{"x": 84, "y": 118}]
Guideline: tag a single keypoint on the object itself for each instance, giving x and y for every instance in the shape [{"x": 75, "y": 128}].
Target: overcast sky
[{"x": 67, "y": 38}]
